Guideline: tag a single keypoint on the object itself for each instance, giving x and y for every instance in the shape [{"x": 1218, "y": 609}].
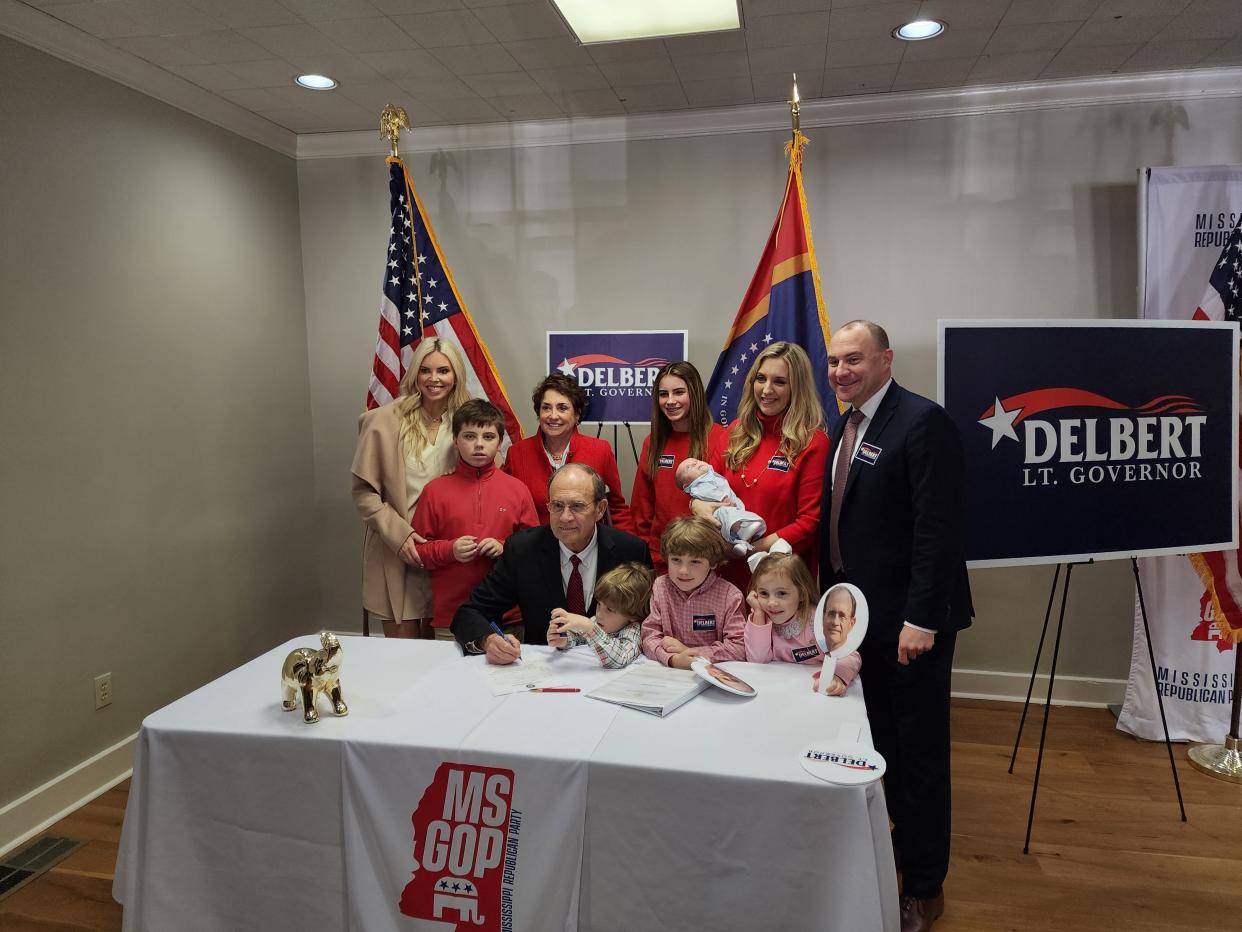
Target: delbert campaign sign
[
  {"x": 616, "y": 369},
  {"x": 1094, "y": 439}
]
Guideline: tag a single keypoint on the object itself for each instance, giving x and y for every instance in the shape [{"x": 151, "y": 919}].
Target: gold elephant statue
[{"x": 311, "y": 672}]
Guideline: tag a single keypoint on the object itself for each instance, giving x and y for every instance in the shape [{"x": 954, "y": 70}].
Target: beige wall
[
  {"x": 1007, "y": 215},
  {"x": 155, "y": 457}
]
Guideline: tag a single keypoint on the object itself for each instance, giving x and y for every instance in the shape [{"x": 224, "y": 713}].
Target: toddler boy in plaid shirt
[{"x": 622, "y": 596}]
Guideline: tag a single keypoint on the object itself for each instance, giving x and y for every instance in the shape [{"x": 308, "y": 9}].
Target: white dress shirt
[{"x": 586, "y": 569}]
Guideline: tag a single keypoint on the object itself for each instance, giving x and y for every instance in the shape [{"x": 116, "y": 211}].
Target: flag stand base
[{"x": 1224, "y": 762}]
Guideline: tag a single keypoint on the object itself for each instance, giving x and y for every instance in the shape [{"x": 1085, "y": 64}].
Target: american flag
[
  {"x": 421, "y": 299},
  {"x": 783, "y": 302},
  {"x": 1221, "y": 570}
]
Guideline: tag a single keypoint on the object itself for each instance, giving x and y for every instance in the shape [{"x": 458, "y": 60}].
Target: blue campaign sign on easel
[
  {"x": 616, "y": 368},
  {"x": 1094, "y": 439}
]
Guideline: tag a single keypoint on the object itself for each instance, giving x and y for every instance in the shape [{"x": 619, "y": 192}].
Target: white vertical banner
[{"x": 1190, "y": 215}]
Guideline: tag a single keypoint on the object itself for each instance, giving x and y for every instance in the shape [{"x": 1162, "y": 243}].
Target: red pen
[{"x": 554, "y": 689}]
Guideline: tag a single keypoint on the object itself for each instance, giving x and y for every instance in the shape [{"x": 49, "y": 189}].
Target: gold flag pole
[
  {"x": 795, "y": 109},
  {"x": 393, "y": 120},
  {"x": 1224, "y": 761}
]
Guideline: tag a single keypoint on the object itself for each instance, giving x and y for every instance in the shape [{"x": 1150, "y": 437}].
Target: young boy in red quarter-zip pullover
[{"x": 467, "y": 515}]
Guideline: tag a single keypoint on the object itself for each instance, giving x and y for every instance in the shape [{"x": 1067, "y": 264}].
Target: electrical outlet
[{"x": 103, "y": 690}]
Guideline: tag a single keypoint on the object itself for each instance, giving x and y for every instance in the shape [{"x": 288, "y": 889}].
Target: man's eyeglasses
[{"x": 574, "y": 508}]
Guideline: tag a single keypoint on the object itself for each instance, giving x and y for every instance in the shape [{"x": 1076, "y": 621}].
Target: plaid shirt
[
  {"x": 709, "y": 620},
  {"x": 613, "y": 650}
]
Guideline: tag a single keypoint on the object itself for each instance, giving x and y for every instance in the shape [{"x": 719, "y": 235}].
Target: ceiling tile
[
  {"x": 712, "y": 65},
  {"x": 776, "y": 86},
  {"x": 964, "y": 14},
  {"x": 436, "y": 90},
  {"x": 788, "y": 58},
  {"x": 479, "y": 4},
  {"x": 239, "y": 14},
  {"x": 104, "y": 20},
  {"x": 956, "y": 43},
  {"x": 1011, "y": 66},
  {"x": 288, "y": 41},
  {"x": 871, "y": 22},
  {"x": 1127, "y": 8},
  {"x": 296, "y": 120},
  {"x": 729, "y": 40},
  {"x": 396, "y": 7},
  {"x": 1183, "y": 53},
  {"x": 769, "y": 7},
  {"x": 314, "y": 11},
  {"x": 166, "y": 17},
  {"x": 252, "y": 98},
  {"x": 1087, "y": 60},
  {"x": 405, "y": 63},
  {"x": 652, "y": 97},
  {"x": 522, "y": 21},
  {"x": 476, "y": 59},
  {"x": 627, "y": 51},
  {"x": 339, "y": 65},
  {"x": 373, "y": 95},
  {"x": 865, "y": 79},
  {"x": 366, "y": 35},
  {"x": 591, "y": 103},
  {"x": 527, "y": 107},
  {"x": 548, "y": 53},
  {"x": 1031, "y": 37},
  {"x": 948, "y": 72},
  {"x": 469, "y": 110},
  {"x": 324, "y": 103},
  {"x": 574, "y": 78},
  {"x": 634, "y": 73},
  {"x": 1228, "y": 54},
  {"x": 850, "y": 53},
  {"x": 161, "y": 50},
  {"x": 272, "y": 72},
  {"x": 212, "y": 77},
  {"x": 1127, "y": 30},
  {"x": 222, "y": 46},
  {"x": 441, "y": 30},
  {"x": 422, "y": 114},
  {"x": 1025, "y": 12},
  {"x": 719, "y": 92},
  {"x": 763, "y": 32},
  {"x": 502, "y": 84},
  {"x": 1200, "y": 25}
]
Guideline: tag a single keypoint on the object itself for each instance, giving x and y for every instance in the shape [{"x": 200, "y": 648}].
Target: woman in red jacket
[
  {"x": 681, "y": 427},
  {"x": 776, "y": 455},
  {"x": 559, "y": 404}
]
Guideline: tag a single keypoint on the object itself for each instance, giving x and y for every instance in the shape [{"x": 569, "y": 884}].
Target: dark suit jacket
[
  {"x": 902, "y": 523},
  {"x": 528, "y": 575}
]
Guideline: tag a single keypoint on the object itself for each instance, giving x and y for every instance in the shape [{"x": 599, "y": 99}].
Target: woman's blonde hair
[
  {"x": 414, "y": 437},
  {"x": 790, "y": 566},
  {"x": 802, "y": 418},
  {"x": 662, "y": 429}
]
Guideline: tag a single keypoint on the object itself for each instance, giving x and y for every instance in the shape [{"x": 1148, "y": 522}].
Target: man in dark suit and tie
[
  {"x": 551, "y": 566},
  {"x": 894, "y": 526}
]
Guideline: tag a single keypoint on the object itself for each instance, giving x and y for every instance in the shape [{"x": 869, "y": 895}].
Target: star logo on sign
[
  {"x": 1001, "y": 423},
  {"x": 566, "y": 367}
]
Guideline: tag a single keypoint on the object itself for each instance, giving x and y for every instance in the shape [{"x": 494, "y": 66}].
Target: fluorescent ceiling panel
[{"x": 617, "y": 20}]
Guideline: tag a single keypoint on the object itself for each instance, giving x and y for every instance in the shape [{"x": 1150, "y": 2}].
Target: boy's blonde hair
[
  {"x": 790, "y": 566},
  {"x": 627, "y": 590},
  {"x": 691, "y": 536}
]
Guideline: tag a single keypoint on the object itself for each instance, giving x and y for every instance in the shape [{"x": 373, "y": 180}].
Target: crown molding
[
  {"x": 35, "y": 28},
  {"x": 838, "y": 111}
]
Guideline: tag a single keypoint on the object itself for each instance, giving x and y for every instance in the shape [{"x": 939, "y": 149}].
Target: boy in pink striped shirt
[{"x": 694, "y": 613}]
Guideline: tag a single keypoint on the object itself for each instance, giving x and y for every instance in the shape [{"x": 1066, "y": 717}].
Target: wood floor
[{"x": 1108, "y": 851}]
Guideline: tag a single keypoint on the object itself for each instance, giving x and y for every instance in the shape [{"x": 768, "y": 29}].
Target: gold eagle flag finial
[{"x": 393, "y": 120}]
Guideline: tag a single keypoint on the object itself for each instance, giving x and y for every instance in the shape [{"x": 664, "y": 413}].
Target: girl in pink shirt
[{"x": 781, "y": 625}]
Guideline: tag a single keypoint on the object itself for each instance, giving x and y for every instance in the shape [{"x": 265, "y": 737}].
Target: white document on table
[
  {"x": 651, "y": 688},
  {"x": 527, "y": 673}
]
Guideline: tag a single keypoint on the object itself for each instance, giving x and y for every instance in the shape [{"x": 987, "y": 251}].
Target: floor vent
[{"x": 27, "y": 863}]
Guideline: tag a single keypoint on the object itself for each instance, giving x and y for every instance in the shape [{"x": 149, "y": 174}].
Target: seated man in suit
[{"x": 547, "y": 567}]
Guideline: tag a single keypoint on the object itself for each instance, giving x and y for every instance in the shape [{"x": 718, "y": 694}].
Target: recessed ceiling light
[
  {"x": 595, "y": 21},
  {"x": 316, "y": 82},
  {"x": 919, "y": 29}
]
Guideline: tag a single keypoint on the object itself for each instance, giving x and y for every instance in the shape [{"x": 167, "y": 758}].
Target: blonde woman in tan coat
[{"x": 402, "y": 446}]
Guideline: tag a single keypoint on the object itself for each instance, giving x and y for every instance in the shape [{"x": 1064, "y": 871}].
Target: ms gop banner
[
  {"x": 1094, "y": 439},
  {"x": 616, "y": 369}
]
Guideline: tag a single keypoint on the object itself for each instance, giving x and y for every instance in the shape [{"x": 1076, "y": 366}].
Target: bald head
[{"x": 860, "y": 361}]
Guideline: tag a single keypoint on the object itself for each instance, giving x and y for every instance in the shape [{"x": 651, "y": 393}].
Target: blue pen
[{"x": 496, "y": 628}]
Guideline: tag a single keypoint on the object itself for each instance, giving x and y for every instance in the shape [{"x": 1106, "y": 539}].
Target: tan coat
[{"x": 390, "y": 587}]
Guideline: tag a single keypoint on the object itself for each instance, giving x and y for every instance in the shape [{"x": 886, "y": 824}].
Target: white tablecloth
[{"x": 243, "y": 817}]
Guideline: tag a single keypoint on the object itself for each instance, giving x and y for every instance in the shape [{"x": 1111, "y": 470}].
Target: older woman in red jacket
[{"x": 559, "y": 403}]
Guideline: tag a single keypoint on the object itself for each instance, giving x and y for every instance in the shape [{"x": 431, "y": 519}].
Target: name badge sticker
[
  {"x": 778, "y": 463},
  {"x": 868, "y": 453},
  {"x": 666, "y": 461},
  {"x": 801, "y": 654},
  {"x": 704, "y": 623}
]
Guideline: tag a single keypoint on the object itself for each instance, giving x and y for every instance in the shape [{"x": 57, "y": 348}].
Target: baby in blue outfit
[{"x": 737, "y": 525}]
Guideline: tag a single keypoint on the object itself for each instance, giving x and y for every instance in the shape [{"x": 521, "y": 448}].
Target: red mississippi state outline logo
[{"x": 461, "y": 842}]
